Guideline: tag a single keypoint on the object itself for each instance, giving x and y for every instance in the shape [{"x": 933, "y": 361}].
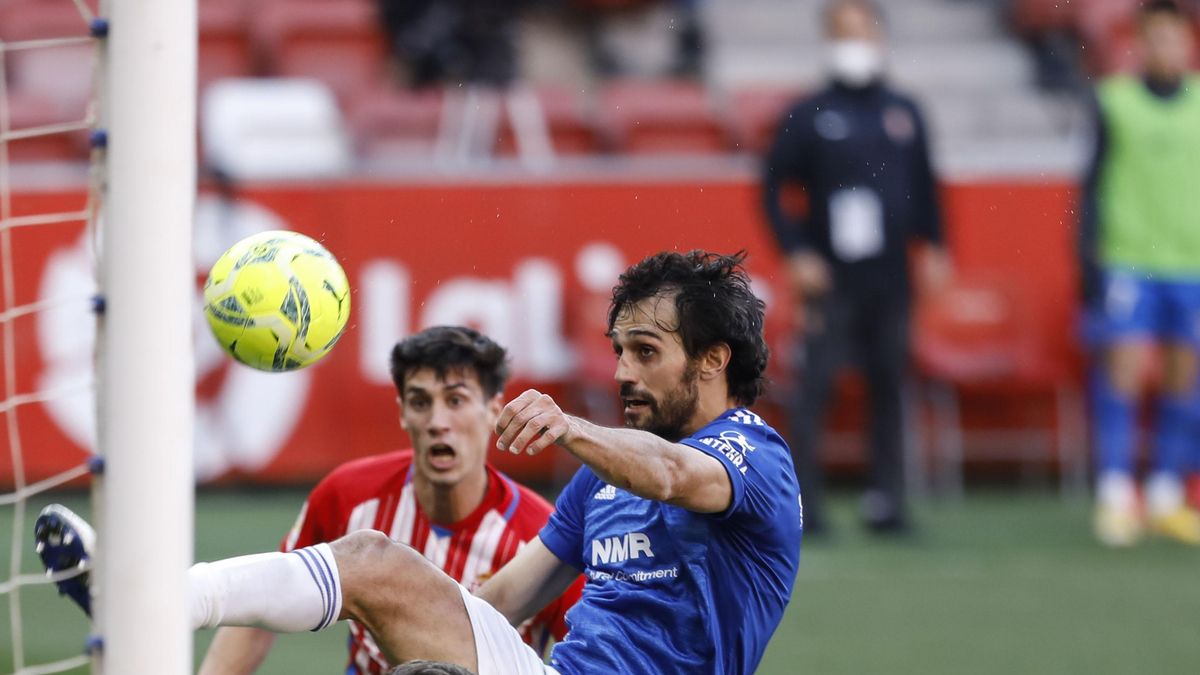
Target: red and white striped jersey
[{"x": 377, "y": 493}]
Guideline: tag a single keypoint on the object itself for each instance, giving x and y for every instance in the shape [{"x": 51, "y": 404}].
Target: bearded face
[
  {"x": 667, "y": 414},
  {"x": 659, "y": 383}
]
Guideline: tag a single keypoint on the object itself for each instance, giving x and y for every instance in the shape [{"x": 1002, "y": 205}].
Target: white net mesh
[{"x": 47, "y": 66}]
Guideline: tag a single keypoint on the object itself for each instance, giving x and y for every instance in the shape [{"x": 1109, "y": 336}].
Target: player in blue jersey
[{"x": 687, "y": 524}]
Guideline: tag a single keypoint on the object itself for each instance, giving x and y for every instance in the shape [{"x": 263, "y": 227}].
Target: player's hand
[
  {"x": 530, "y": 423},
  {"x": 809, "y": 274},
  {"x": 936, "y": 270}
]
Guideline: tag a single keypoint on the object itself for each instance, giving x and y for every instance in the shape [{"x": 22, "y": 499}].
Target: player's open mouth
[
  {"x": 635, "y": 404},
  {"x": 441, "y": 456}
]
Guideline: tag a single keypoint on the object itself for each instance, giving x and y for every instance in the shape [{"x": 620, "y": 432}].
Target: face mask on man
[{"x": 855, "y": 63}]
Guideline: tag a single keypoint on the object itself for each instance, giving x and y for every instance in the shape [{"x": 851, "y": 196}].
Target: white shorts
[{"x": 499, "y": 648}]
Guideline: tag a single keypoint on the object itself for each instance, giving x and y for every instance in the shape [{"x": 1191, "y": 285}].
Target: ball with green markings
[{"x": 277, "y": 301}]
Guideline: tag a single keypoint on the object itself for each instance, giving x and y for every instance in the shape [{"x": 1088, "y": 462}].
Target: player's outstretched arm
[
  {"x": 528, "y": 582},
  {"x": 637, "y": 461},
  {"x": 237, "y": 651}
]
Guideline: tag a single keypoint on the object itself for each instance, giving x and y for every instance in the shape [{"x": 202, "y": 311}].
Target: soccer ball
[{"x": 277, "y": 301}]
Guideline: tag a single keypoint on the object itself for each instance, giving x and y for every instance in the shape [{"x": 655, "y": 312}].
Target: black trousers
[{"x": 871, "y": 332}]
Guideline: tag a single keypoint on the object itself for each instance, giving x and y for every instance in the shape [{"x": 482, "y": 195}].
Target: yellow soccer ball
[{"x": 277, "y": 301}]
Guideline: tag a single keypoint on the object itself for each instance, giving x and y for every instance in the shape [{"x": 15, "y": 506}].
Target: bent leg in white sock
[{"x": 283, "y": 592}]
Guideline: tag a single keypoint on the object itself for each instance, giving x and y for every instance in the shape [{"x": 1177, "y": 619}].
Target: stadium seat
[
  {"x": 1105, "y": 27},
  {"x": 61, "y": 74},
  {"x": 569, "y": 122},
  {"x": 754, "y": 116},
  {"x": 39, "y": 19},
  {"x": 274, "y": 129},
  {"x": 1035, "y": 16},
  {"x": 339, "y": 43},
  {"x": 661, "y": 117},
  {"x": 47, "y": 85},
  {"x": 394, "y": 123},
  {"x": 26, "y": 111},
  {"x": 225, "y": 48},
  {"x": 976, "y": 339},
  {"x": 1108, "y": 30}
]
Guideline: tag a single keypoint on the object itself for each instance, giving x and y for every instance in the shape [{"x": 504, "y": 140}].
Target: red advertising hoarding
[{"x": 530, "y": 263}]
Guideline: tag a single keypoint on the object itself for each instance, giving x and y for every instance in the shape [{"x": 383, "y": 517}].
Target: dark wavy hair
[
  {"x": 714, "y": 304},
  {"x": 448, "y": 348}
]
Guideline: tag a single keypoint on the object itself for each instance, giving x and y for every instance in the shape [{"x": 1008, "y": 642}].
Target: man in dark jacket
[{"x": 858, "y": 150}]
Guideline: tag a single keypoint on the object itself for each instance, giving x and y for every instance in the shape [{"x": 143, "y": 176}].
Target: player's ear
[
  {"x": 714, "y": 360},
  {"x": 494, "y": 406},
  {"x": 400, "y": 405}
]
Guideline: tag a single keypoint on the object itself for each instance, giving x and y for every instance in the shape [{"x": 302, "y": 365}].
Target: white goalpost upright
[{"x": 147, "y": 105}]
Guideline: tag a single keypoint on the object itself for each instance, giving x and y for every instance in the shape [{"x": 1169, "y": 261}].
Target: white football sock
[
  {"x": 1116, "y": 490},
  {"x": 283, "y": 592},
  {"x": 1164, "y": 494}
]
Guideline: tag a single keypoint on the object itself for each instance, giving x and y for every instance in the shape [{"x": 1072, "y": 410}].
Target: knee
[
  {"x": 385, "y": 583},
  {"x": 369, "y": 555},
  {"x": 371, "y": 565},
  {"x": 362, "y": 544}
]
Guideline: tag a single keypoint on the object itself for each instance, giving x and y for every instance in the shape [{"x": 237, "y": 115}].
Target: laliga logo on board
[
  {"x": 243, "y": 416},
  {"x": 525, "y": 314}
]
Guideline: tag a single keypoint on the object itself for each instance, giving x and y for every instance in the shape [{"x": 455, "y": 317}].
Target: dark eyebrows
[
  {"x": 637, "y": 332},
  {"x": 413, "y": 389}
]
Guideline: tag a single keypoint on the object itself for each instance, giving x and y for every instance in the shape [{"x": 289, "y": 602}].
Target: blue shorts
[{"x": 1136, "y": 307}]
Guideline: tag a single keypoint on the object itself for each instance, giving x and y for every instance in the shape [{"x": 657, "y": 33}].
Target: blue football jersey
[{"x": 670, "y": 590}]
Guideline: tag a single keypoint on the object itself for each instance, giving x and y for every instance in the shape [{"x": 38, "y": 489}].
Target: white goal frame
[{"x": 145, "y": 374}]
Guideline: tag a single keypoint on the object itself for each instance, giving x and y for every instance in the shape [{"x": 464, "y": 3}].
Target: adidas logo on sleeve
[{"x": 606, "y": 493}]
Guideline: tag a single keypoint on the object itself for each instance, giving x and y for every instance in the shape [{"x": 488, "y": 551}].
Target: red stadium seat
[
  {"x": 977, "y": 339},
  {"x": 755, "y": 114},
  {"x": 396, "y": 123},
  {"x": 225, "y": 46},
  {"x": 1033, "y": 16},
  {"x": 39, "y": 19},
  {"x": 661, "y": 117},
  {"x": 27, "y": 111},
  {"x": 47, "y": 85},
  {"x": 569, "y": 123},
  {"x": 1105, "y": 29},
  {"x": 62, "y": 74},
  {"x": 340, "y": 42}
]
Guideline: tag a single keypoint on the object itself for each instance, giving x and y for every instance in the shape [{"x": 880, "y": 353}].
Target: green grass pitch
[{"x": 1004, "y": 583}]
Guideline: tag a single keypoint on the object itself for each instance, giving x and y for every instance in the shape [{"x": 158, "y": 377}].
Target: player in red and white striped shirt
[{"x": 440, "y": 498}]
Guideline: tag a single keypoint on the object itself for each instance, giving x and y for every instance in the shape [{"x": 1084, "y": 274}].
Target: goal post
[{"x": 147, "y": 107}]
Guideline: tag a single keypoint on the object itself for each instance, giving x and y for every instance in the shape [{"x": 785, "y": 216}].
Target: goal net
[{"x": 98, "y": 99}]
